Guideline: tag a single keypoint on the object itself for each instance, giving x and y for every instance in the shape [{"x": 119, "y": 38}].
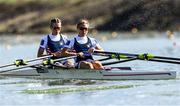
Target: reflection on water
[{"x": 133, "y": 92}]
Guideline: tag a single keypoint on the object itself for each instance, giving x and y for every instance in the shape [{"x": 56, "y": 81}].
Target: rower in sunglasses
[
  {"x": 53, "y": 42},
  {"x": 83, "y": 44}
]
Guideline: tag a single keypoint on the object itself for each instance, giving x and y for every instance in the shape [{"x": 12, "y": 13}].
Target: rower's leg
[
  {"x": 97, "y": 65},
  {"x": 69, "y": 64},
  {"x": 86, "y": 65}
]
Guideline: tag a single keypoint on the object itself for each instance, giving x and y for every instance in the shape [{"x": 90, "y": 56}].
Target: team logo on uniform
[
  {"x": 61, "y": 43},
  {"x": 88, "y": 45}
]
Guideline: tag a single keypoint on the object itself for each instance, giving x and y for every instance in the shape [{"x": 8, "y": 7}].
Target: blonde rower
[{"x": 83, "y": 44}]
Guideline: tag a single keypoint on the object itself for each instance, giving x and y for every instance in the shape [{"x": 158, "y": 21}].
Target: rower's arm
[
  {"x": 99, "y": 48},
  {"x": 96, "y": 48},
  {"x": 66, "y": 52},
  {"x": 40, "y": 52}
]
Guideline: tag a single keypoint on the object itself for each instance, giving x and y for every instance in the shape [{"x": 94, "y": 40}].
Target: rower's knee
[
  {"x": 97, "y": 62},
  {"x": 69, "y": 64},
  {"x": 97, "y": 65},
  {"x": 86, "y": 65}
]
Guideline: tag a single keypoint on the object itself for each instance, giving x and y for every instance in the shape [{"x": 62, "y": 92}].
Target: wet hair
[
  {"x": 81, "y": 22},
  {"x": 54, "y": 20}
]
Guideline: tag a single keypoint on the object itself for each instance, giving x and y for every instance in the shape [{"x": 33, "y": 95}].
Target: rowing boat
[
  {"x": 42, "y": 69},
  {"x": 117, "y": 73}
]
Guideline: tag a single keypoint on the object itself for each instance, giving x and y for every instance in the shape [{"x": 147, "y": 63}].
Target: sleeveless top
[
  {"x": 55, "y": 46},
  {"x": 83, "y": 48}
]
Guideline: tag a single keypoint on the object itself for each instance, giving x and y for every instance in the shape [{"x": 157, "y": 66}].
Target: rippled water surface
[{"x": 23, "y": 91}]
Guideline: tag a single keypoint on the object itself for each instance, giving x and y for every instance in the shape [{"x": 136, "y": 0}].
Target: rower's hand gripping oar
[
  {"x": 20, "y": 62},
  {"x": 148, "y": 57}
]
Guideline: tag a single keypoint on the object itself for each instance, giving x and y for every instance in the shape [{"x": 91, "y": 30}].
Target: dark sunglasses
[
  {"x": 56, "y": 27},
  {"x": 82, "y": 28}
]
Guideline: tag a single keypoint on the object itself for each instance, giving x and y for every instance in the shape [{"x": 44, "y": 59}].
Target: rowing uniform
[
  {"x": 82, "y": 44},
  {"x": 54, "y": 43}
]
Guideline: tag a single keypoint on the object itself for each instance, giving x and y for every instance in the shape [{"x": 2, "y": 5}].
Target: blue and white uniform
[
  {"x": 82, "y": 44},
  {"x": 54, "y": 42}
]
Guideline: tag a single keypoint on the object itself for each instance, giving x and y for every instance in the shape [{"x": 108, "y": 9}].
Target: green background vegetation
[{"x": 33, "y": 16}]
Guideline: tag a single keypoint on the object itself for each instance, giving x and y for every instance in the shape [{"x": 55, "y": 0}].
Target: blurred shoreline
[
  {"x": 32, "y": 16},
  {"x": 100, "y": 36}
]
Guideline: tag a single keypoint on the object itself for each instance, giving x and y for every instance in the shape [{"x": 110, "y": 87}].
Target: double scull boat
[
  {"x": 118, "y": 73},
  {"x": 42, "y": 69}
]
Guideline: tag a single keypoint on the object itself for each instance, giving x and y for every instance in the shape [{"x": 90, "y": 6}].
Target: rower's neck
[
  {"x": 55, "y": 34},
  {"x": 81, "y": 35}
]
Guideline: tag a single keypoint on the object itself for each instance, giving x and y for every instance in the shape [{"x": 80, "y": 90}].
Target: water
[{"x": 14, "y": 91}]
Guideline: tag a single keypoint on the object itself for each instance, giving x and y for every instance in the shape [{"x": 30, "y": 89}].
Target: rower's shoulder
[
  {"x": 64, "y": 36},
  {"x": 92, "y": 39},
  {"x": 44, "y": 37}
]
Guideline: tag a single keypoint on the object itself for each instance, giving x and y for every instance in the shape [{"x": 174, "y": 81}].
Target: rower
[
  {"x": 54, "y": 42},
  {"x": 83, "y": 44}
]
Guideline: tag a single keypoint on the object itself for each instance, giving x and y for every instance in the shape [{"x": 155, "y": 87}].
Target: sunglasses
[
  {"x": 57, "y": 28},
  {"x": 82, "y": 28}
]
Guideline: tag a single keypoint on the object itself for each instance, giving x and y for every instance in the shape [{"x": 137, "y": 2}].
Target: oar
[
  {"x": 51, "y": 61},
  {"x": 121, "y": 61},
  {"x": 22, "y": 62},
  {"x": 112, "y": 56},
  {"x": 104, "y": 59},
  {"x": 45, "y": 62},
  {"x": 165, "y": 61},
  {"x": 148, "y": 57}
]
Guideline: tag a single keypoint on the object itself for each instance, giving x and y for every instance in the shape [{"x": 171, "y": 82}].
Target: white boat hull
[{"x": 92, "y": 74}]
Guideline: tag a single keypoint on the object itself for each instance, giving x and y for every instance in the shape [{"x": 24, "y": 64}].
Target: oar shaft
[
  {"x": 21, "y": 67},
  {"x": 7, "y": 65},
  {"x": 104, "y": 59},
  {"x": 31, "y": 60},
  {"x": 106, "y": 53},
  {"x": 165, "y": 61},
  {"x": 17, "y": 68},
  {"x": 136, "y": 55},
  {"x": 122, "y": 61},
  {"x": 39, "y": 58},
  {"x": 168, "y": 58},
  {"x": 64, "y": 58}
]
